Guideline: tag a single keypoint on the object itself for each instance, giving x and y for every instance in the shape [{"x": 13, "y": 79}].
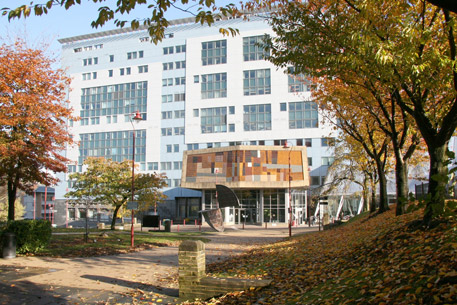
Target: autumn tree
[
  {"x": 33, "y": 117},
  {"x": 407, "y": 48},
  {"x": 348, "y": 118},
  {"x": 204, "y": 11},
  {"x": 365, "y": 96},
  {"x": 353, "y": 166},
  {"x": 109, "y": 182}
]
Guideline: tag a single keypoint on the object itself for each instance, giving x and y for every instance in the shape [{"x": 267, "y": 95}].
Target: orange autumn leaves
[
  {"x": 379, "y": 260},
  {"x": 33, "y": 116}
]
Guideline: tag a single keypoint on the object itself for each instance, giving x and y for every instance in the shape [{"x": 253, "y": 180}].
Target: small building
[{"x": 266, "y": 179}]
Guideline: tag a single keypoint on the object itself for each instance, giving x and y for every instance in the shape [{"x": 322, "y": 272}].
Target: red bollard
[
  {"x": 184, "y": 222},
  {"x": 172, "y": 222},
  {"x": 266, "y": 225},
  {"x": 195, "y": 222},
  {"x": 160, "y": 224},
  {"x": 178, "y": 228}
]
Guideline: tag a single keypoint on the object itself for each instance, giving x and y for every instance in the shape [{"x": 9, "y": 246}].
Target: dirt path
[{"x": 96, "y": 280}]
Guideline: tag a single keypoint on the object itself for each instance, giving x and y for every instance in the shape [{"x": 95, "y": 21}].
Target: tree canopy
[
  {"x": 109, "y": 182},
  {"x": 406, "y": 48},
  {"x": 204, "y": 11},
  {"x": 33, "y": 118}
]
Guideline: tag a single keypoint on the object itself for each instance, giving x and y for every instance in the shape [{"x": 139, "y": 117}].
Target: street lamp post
[
  {"x": 136, "y": 118},
  {"x": 286, "y": 145}
]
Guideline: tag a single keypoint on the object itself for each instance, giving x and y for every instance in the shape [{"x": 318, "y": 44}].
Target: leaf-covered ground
[{"x": 377, "y": 260}]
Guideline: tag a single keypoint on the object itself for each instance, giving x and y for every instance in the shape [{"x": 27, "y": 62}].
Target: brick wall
[{"x": 193, "y": 282}]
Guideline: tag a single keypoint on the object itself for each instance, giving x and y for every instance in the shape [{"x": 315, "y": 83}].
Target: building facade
[
  {"x": 269, "y": 181},
  {"x": 195, "y": 90}
]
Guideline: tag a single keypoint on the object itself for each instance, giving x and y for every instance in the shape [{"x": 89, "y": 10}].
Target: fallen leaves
[{"x": 376, "y": 260}]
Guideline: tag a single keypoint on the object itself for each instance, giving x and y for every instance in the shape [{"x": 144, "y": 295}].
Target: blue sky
[{"x": 60, "y": 23}]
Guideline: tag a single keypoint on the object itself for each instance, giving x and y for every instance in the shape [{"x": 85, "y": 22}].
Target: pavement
[{"x": 114, "y": 279}]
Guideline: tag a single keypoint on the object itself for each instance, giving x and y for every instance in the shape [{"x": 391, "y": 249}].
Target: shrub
[{"x": 31, "y": 235}]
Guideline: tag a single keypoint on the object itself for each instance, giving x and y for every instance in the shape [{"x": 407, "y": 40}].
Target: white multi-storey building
[{"x": 196, "y": 89}]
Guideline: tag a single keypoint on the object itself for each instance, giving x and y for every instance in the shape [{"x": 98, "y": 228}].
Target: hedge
[{"x": 31, "y": 235}]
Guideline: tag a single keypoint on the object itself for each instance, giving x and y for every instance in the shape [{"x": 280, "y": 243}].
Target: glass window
[
  {"x": 143, "y": 69},
  {"x": 153, "y": 166},
  {"x": 116, "y": 99},
  {"x": 175, "y": 147},
  {"x": 111, "y": 58},
  {"x": 308, "y": 142},
  {"x": 167, "y": 66},
  {"x": 196, "y": 79},
  {"x": 167, "y": 82},
  {"x": 256, "y": 82},
  {"x": 252, "y": 48},
  {"x": 327, "y": 161},
  {"x": 327, "y": 142},
  {"x": 179, "y": 131},
  {"x": 181, "y": 49},
  {"x": 166, "y": 132},
  {"x": 180, "y": 97},
  {"x": 257, "y": 117},
  {"x": 180, "y": 80},
  {"x": 283, "y": 107},
  {"x": 214, "y": 85},
  {"x": 231, "y": 109},
  {"x": 168, "y": 98},
  {"x": 297, "y": 82},
  {"x": 213, "y": 120},
  {"x": 180, "y": 64},
  {"x": 116, "y": 145},
  {"x": 310, "y": 161},
  {"x": 303, "y": 115},
  {"x": 169, "y": 148},
  {"x": 179, "y": 114},
  {"x": 231, "y": 127},
  {"x": 214, "y": 52},
  {"x": 167, "y": 50},
  {"x": 166, "y": 115}
]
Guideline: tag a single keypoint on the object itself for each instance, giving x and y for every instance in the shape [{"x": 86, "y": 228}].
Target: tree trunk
[
  {"x": 437, "y": 181},
  {"x": 401, "y": 177},
  {"x": 12, "y": 189},
  {"x": 113, "y": 222},
  {"x": 87, "y": 224},
  {"x": 365, "y": 194},
  {"x": 373, "y": 197},
  {"x": 383, "y": 200}
]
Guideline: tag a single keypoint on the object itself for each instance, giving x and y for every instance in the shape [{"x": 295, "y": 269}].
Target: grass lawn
[{"x": 104, "y": 242}]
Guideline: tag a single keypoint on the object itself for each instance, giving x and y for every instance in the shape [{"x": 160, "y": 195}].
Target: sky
[{"x": 60, "y": 23}]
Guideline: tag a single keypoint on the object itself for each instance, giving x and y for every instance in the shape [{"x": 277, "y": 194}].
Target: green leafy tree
[{"x": 106, "y": 181}]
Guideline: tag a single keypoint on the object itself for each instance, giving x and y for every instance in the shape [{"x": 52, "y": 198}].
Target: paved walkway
[{"x": 111, "y": 279}]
